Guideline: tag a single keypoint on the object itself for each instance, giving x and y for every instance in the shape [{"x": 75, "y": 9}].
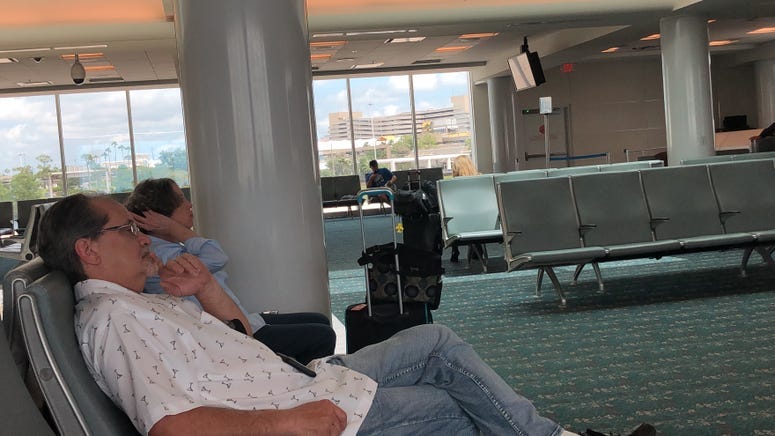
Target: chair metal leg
[
  {"x": 596, "y": 267},
  {"x": 765, "y": 254},
  {"x": 577, "y": 273},
  {"x": 744, "y": 263},
  {"x": 480, "y": 254},
  {"x": 556, "y": 283},
  {"x": 539, "y": 279}
]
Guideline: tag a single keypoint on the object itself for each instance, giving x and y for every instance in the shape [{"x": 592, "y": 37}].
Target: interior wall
[
  {"x": 618, "y": 104},
  {"x": 734, "y": 93}
]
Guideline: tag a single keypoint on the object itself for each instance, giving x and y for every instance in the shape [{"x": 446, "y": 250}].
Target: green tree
[
  {"x": 402, "y": 147},
  {"x": 5, "y": 193},
  {"x": 123, "y": 181},
  {"x": 175, "y": 159},
  {"x": 426, "y": 141},
  {"x": 25, "y": 186},
  {"x": 45, "y": 169}
]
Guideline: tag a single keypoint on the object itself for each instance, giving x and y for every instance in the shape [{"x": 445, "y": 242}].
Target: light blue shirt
[{"x": 212, "y": 256}]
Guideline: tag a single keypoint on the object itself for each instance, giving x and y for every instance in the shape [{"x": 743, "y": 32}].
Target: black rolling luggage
[{"x": 371, "y": 322}]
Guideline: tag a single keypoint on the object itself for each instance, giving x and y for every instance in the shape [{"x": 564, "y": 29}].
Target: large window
[
  {"x": 332, "y": 122},
  {"x": 95, "y": 130},
  {"x": 160, "y": 143},
  {"x": 382, "y": 124},
  {"x": 100, "y": 153},
  {"x": 30, "y": 160}
]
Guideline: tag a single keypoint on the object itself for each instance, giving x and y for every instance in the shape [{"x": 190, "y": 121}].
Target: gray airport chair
[
  {"x": 6, "y": 218},
  {"x": 747, "y": 201},
  {"x": 77, "y": 405},
  {"x": 26, "y": 246},
  {"x": 613, "y": 214},
  {"x": 519, "y": 175},
  {"x": 570, "y": 171},
  {"x": 14, "y": 283},
  {"x": 540, "y": 228},
  {"x": 683, "y": 206},
  {"x": 18, "y": 413},
  {"x": 469, "y": 213},
  {"x": 629, "y": 166}
]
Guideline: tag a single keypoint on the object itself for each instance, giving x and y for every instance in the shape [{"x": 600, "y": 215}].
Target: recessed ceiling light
[
  {"x": 379, "y": 32},
  {"x": 327, "y": 44},
  {"x": 8, "y": 60},
  {"x": 401, "y": 40},
  {"x": 30, "y": 84},
  {"x": 327, "y": 35},
  {"x": 721, "y": 42},
  {"x": 82, "y": 47},
  {"x": 762, "y": 30},
  {"x": 610, "y": 50},
  {"x": 320, "y": 56},
  {"x": 19, "y": 50},
  {"x": 452, "y": 48},
  {"x": 99, "y": 67},
  {"x": 478, "y": 35},
  {"x": 361, "y": 66},
  {"x": 650, "y": 37},
  {"x": 346, "y": 60},
  {"x": 81, "y": 56}
]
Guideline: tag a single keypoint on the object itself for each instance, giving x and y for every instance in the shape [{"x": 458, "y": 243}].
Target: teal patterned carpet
[{"x": 682, "y": 342}]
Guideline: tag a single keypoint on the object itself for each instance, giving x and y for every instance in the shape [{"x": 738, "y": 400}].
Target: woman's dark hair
[
  {"x": 157, "y": 195},
  {"x": 65, "y": 222}
]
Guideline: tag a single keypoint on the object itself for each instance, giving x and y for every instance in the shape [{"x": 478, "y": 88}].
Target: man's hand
[
  {"x": 318, "y": 418},
  {"x": 184, "y": 275}
]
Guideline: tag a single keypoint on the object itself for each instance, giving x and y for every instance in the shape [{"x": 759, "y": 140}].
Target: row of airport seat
[
  {"x": 469, "y": 209},
  {"x": 729, "y": 158},
  {"x": 590, "y": 218},
  {"x": 341, "y": 191}
]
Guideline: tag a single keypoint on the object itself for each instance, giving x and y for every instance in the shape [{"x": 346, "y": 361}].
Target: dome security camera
[
  {"x": 77, "y": 72},
  {"x": 37, "y": 59}
]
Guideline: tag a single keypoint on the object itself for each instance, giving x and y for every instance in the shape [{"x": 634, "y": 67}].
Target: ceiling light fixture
[
  {"x": 478, "y": 35},
  {"x": 362, "y": 66},
  {"x": 379, "y": 32},
  {"x": 402, "y": 40},
  {"x": 721, "y": 42},
  {"x": 327, "y": 35},
  {"x": 761, "y": 30},
  {"x": 82, "y": 56},
  {"x": 99, "y": 67},
  {"x": 30, "y": 84},
  {"x": 610, "y": 50},
  {"x": 82, "y": 47},
  {"x": 320, "y": 57},
  {"x": 327, "y": 43},
  {"x": 650, "y": 37},
  {"x": 8, "y": 60},
  {"x": 452, "y": 48},
  {"x": 20, "y": 50}
]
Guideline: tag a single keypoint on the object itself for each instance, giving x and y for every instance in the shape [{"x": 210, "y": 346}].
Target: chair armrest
[
  {"x": 657, "y": 221},
  {"x": 725, "y": 215}
]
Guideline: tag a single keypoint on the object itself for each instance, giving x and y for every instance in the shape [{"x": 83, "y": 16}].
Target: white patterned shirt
[{"x": 159, "y": 355}]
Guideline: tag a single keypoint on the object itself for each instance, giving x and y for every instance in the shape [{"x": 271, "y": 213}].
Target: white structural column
[
  {"x": 765, "y": 92},
  {"x": 502, "y": 134},
  {"x": 686, "y": 80},
  {"x": 247, "y": 96}
]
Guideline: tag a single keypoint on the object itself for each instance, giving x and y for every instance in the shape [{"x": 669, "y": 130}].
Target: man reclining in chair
[{"x": 177, "y": 369}]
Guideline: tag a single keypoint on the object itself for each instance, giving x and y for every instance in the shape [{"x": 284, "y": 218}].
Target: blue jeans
[{"x": 431, "y": 382}]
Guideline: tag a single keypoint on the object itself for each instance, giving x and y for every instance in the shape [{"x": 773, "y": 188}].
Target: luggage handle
[{"x": 371, "y": 192}]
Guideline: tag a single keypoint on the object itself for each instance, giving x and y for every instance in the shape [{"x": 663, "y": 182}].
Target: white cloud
[{"x": 426, "y": 82}]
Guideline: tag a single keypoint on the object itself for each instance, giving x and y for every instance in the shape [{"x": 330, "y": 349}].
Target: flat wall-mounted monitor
[{"x": 526, "y": 70}]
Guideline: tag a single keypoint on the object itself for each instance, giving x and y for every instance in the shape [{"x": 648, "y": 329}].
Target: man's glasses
[{"x": 132, "y": 228}]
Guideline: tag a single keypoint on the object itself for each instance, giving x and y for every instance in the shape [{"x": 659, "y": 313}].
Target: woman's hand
[{"x": 163, "y": 226}]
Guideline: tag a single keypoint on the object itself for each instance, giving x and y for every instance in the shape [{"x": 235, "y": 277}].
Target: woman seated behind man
[{"x": 166, "y": 216}]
